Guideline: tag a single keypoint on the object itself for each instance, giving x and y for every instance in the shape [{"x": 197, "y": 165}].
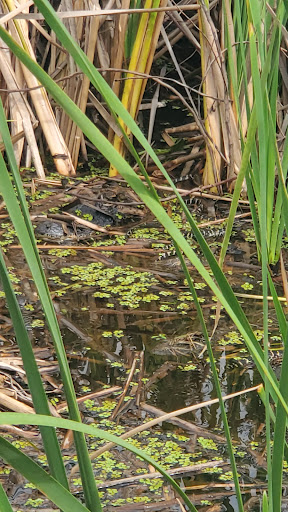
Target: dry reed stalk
[
  {"x": 85, "y": 30},
  {"x": 62, "y": 65},
  {"x": 184, "y": 28},
  {"x": 220, "y": 121},
  {"x": 212, "y": 168},
  {"x": 19, "y": 108},
  {"x": 17, "y": 137},
  {"x": 55, "y": 141},
  {"x": 141, "y": 61},
  {"x": 89, "y": 27},
  {"x": 117, "y": 56}
]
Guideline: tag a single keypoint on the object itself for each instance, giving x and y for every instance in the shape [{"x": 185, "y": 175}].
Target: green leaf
[
  {"x": 40, "y": 402},
  {"x": 5, "y": 505}
]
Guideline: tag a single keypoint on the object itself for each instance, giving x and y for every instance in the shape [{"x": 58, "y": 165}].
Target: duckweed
[
  {"x": 37, "y": 323},
  {"x": 188, "y": 367},
  {"x": 62, "y": 253},
  {"x": 208, "y": 444},
  {"x": 247, "y": 286},
  {"x": 228, "y": 476},
  {"x": 5, "y": 471},
  {"x": 165, "y": 307},
  {"x": 29, "y": 307},
  {"x": 249, "y": 235},
  {"x": 14, "y": 279},
  {"x": 127, "y": 285},
  {"x": 116, "y": 364},
  {"x": 231, "y": 338},
  {"x": 8, "y": 235},
  {"x": 214, "y": 471},
  {"x": 154, "y": 484},
  {"x": 34, "y": 503},
  {"x": 149, "y": 233},
  {"x": 107, "y": 334},
  {"x": 29, "y": 485}
]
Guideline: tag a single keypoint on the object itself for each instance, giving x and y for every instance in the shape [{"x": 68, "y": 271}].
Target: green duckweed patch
[
  {"x": 8, "y": 234},
  {"x": 228, "y": 476},
  {"x": 231, "y": 338},
  {"x": 247, "y": 286},
  {"x": 209, "y": 444},
  {"x": 62, "y": 253},
  {"x": 121, "y": 286},
  {"x": 130, "y": 287},
  {"x": 35, "y": 503}
]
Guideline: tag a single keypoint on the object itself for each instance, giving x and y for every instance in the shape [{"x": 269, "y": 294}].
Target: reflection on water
[
  {"x": 176, "y": 363},
  {"x": 106, "y": 325}
]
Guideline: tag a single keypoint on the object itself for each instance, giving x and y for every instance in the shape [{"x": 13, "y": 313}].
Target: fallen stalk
[
  {"x": 121, "y": 482},
  {"x": 160, "y": 419}
]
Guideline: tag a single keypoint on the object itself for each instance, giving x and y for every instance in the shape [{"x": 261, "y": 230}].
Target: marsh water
[
  {"x": 128, "y": 320},
  {"x": 177, "y": 369}
]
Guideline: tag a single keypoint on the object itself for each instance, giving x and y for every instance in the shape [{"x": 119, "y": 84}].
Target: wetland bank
[{"x": 136, "y": 351}]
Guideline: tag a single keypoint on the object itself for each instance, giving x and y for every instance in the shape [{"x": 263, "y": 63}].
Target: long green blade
[
  {"x": 40, "y": 402},
  {"x": 5, "y": 505}
]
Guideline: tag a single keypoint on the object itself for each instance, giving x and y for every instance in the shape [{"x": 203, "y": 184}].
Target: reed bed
[{"x": 253, "y": 55}]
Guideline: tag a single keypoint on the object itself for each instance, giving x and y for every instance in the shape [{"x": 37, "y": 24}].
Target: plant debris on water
[{"x": 158, "y": 320}]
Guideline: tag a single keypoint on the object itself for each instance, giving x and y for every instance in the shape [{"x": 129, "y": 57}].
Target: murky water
[
  {"x": 177, "y": 364},
  {"x": 142, "y": 315}
]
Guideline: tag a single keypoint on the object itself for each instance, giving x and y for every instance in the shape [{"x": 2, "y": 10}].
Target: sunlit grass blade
[
  {"x": 279, "y": 437},
  {"x": 281, "y": 200},
  {"x": 21, "y": 221},
  {"x": 279, "y": 311},
  {"x": 265, "y": 504},
  {"x": 263, "y": 199},
  {"x": 10, "y": 453},
  {"x": 5, "y": 505},
  {"x": 132, "y": 28},
  {"x": 215, "y": 379},
  {"x": 238, "y": 185}
]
